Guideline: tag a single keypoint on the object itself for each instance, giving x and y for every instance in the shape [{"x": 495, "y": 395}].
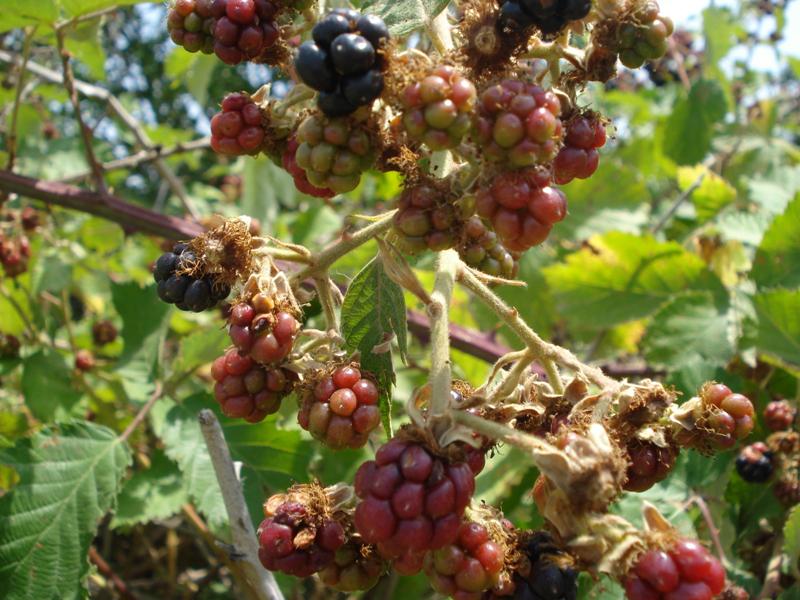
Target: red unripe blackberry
[
  {"x": 779, "y": 415},
  {"x": 518, "y": 125},
  {"x": 411, "y": 499},
  {"x": 297, "y": 542},
  {"x": 648, "y": 464},
  {"x": 686, "y": 571},
  {"x": 578, "y": 157},
  {"x": 9, "y": 346},
  {"x": 301, "y": 182},
  {"x": 333, "y": 152},
  {"x": 522, "y": 207},
  {"x": 84, "y": 360},
  {"x": 29, "y": 218},
  {"x": 263, "y": 331},
  {"x": 732, "y": 415},
  {"x": 248, "y": 390},
  {"x": 246, "y": 31},
  {"x": 428, "y": 218},
  {"x": 191, "y": 23},
  {"x": 238, "y": 129},
  {"x": 14, "y": 255},
  {"x": 438, "y": 108},
  {"x": 469, "y": 566},
  {"x": 342, "y": 409},
  {"x": 355, "y": 567}
]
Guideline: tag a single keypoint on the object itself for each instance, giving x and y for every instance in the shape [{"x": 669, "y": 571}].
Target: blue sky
[{"x": 688, "y": 13}]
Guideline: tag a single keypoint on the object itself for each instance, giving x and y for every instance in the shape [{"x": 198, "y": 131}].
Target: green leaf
[
  {"x": 15, "y": 14},
  {"x": 620, "y": 277},
  {"x": 69, "y": 478},
  {"x": 47, "y": 387},
  {"x": 373, "y": 311},
  {"x": 274, "y": 456},
  {"x": 266, "y": 188},
  {"x": 713, "y": 193},
  {"x": 779, "y": 325},
  {"x": 777, "y": 261},
  {"x": 774, "y": 191},
  {"x": 721, "y": 30},
  {"x": 791, "y": 535},
  {"x": 688, "y": 330},
  {"x": 82, "y": 7},
  {"x": 199, "y": 348},
  {"x": 690, "y": 126},
  {"x": 144, "y": 328},
  {"x": 404, "y": 16},
  {"x": 151, "y": 494}
]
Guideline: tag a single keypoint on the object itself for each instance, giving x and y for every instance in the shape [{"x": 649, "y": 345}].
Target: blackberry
[
  {"x": 551, "y": 575},
  {"x": 430, "y": 217},
  {"x": 238, "y": 128},
  {"x": 247, "y": 390},
  {"x": 356, "y": 567},
  {"x": 549, "y": 16},
  {"x": 522, "y": 207},
  {"x": 732, "y": 416},
  {"x": 648, "y": 464},
  {"x": 14, "y": 255},
  {"x": 518, "y": 124},
  {"x": 247, "y": 31},
  {"x": 9, "y": 345},
  {"x": 437, "y": 110},
  {"x": 481, "y": 249},
  {"x": 104, "y": 332},
  {"x": 301, "y": 181},
  {"x": 343, "y": 61},
  {"x": 644, "y": 36},
  {"x": 84, "y": 360},
  {"x": 29, "y": 218},
  {"x": 411, "y": 501},
  {"x": 261, "y": 329},
  {"x": 779, "y": 415},
  {"x": 578, "y": 157},
  {"x": 187, "y": 292},
  {"x": 341, "y": 409},
  {"x": 333, "y": 152},
  {"x": 191, "y": 23},
  {"x": 754, "y": 463}
]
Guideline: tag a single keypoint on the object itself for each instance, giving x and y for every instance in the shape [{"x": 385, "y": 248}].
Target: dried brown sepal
[
  {"x": 273, "y": 286},
  {"x": 224, "y": 253}
]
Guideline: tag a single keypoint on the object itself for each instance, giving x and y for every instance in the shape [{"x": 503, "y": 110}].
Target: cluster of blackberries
[
  {"x": 438, "y": 109},
  {"x": 522, "y": 207},
  {"x": 549, "y": 16},
  {"x": 262, "y": 330},
  {"x": 187, "y": 292},
  {"x": 342, "y": 409},
  {"x": 686, "y": 572},
  {"x": 754, "y": 463},
  {"x": 235, "y": 30},
  {"x": 412, "y": 501},
  {"x": 578, "y": 157},
  {"x": 247, "y": 390},
  {"x": 429, "y": 219},
  {"x": 648, "y": 464},
  {"x": 469, "y": 566},
  {"x": 237, "y": 129},
  {"x": 644, "y": 37},
  {"x": 14, "y": 254},
  {"x": 343, "y": 62},
  {"x": 480, "y": 248},
  {"x": 297, "y": 542}
]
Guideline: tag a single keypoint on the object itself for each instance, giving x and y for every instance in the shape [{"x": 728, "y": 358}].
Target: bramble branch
[{"x": 438, "y": 311}]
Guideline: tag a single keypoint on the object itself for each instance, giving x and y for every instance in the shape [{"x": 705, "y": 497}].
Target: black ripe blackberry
[
  {"x": 550, "y": 577},
  {"x": 185, "y": 291},
  {"x": 343, "y": 62},
  {"x": 754, "y": 463},
  {"x": 549, "y": 16}
]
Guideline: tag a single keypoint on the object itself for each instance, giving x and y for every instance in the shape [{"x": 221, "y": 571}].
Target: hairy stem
[
  {"x": 330, "y": 255},
  {"x": 504, "y": 433},
  {"x": 512, "y": 377},
  {"x": 257, "y": 577},
  {"x": 438, "y": 309},
  {"x": 325, "y": 295},
  {"x": 548, "y": 354}
]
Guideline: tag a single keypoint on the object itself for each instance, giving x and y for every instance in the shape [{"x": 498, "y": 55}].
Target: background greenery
[{"x": 680, "y": 260}]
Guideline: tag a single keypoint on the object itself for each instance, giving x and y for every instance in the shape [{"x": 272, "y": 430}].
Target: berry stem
[
  {"x": 548, "y": 354},
  {"x": 512, "y": 377},
  {"x": 325, "y": 295},
  {"x": 439, "y": 32},
  {"x": 498, "y": 431},
  {"x": 330, "y": 255},
  {"x": 438, "y": 309},
  {"x": 258, "y": 580}
]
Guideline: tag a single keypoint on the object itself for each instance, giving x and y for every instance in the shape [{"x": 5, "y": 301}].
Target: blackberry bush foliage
[{"x": 445, "y": 141}]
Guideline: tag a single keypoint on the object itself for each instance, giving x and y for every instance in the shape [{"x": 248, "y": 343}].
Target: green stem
[
  {"x": 438, "y": 311},
  {"x": 325, "y": 295}
]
